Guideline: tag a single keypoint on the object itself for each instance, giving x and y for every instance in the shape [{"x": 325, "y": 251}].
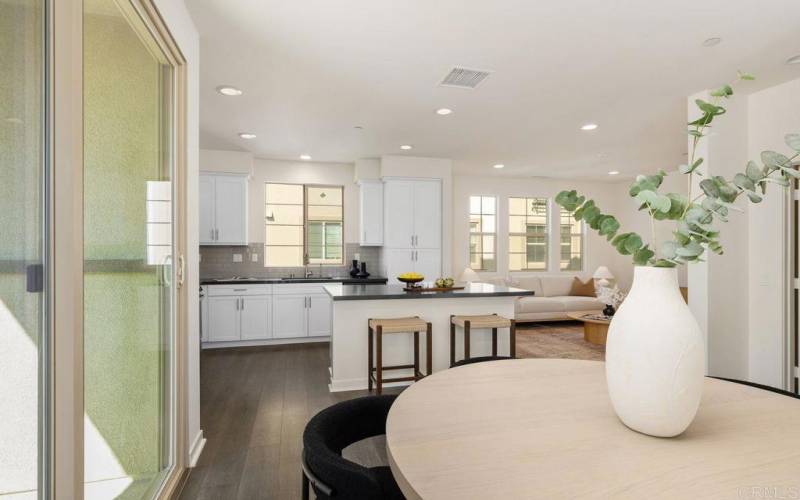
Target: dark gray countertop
[
  {"x": 386, "y": 292},
  {"x": 273, "y": 281}
]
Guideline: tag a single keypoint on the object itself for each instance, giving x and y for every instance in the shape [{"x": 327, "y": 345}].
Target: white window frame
[{"x": 483, "y": 233}]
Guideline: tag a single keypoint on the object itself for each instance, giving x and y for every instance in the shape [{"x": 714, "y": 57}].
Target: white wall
[
  {"x": 185, "y": 35},
  {"x": 772, "y": 113},
  {"x": 214, "y": 160},
  {"x": 718, "y": 290},
  {"x": 739, "y": 297}
]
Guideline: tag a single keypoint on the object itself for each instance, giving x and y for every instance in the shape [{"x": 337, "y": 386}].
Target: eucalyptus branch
[{"x": 694, "y": 216}]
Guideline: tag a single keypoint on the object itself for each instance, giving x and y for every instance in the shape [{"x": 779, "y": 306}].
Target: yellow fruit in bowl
[{"x": 411, "y": 276}]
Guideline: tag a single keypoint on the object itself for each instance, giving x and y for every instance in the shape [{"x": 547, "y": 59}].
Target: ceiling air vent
[{"x": 464, "y": 78}]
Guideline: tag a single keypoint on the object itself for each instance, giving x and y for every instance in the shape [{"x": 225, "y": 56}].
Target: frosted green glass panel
[
  {"x": 128, "y": 251},
  {"x": 21, "y": 247}
]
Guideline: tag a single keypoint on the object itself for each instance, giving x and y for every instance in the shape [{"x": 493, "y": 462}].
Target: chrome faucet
[{"x": 309, "y": 272}]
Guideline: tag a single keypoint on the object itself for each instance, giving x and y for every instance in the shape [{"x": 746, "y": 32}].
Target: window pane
[
  {"x": 285, "y": 214},
  {"x": 489, "y": 262},
  {"x": 324, "y": 213},
  {"x": 516, "y": 206},
  {"x": 21, "y": 244},
  {"x": 475, "y": 205},
  {"x": 516, "y": 262},
  {"x": 487, "y": 224},
  {"x": 128, "y": 282},
  {"x": 488, "y": 205},
  {"x": 475, "y": 223},
  {"x": 283, "y": 256},
  {"x": 324, "y": 196},
  {"x": 475, "y": 243},
  {"x": 516, "y": 224},
  {"x": 284, "y": 235},
  {"x": 516, "y": 244},
  {"x": 284, "y": 193}
]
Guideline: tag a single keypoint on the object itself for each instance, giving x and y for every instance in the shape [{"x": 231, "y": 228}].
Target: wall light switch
[
  {"x": 254, "y": 257},
  {"x": 237, "y": 257}
]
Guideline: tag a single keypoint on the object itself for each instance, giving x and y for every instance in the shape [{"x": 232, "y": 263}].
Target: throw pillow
[{"x": 581, "y": 289}]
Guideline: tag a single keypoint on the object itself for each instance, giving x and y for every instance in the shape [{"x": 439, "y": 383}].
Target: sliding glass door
[
  {"x": 23, "y": 395},
  {"x": 129, "y": 277}
]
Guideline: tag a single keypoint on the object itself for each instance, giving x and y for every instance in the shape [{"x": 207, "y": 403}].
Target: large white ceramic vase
[{"x": 655, "y": 356}]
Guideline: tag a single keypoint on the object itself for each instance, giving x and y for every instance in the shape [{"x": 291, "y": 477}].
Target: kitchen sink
[{"x": 312, "y": 278}]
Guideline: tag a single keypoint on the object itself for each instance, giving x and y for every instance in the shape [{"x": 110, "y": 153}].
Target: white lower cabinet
[
  {"x": 291, "y": 317},
  {"x": 319, "y": 315},
  {"x": 247, "y": 313},
  {"x": 255, "y": 317},
  {"x": 223, "y": 319}
]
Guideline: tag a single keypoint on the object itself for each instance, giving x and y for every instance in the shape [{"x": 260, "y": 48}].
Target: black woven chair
[
  {"x": 332, "y": 430},
  {"x": 480, "y": 359},
  {"x": 759, "y": 386}
]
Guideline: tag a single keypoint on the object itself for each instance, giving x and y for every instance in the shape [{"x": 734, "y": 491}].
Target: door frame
[{"x": 64, "y": 140}]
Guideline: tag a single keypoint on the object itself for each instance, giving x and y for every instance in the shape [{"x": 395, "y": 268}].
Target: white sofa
[{"x": 552, "y": 300}]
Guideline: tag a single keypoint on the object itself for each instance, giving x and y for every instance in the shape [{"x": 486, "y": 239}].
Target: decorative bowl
[{"x": 411, "y": 281}]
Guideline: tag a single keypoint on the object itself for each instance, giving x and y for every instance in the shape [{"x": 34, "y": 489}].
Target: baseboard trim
[
  {"x": 267, "y": 342},
  {"x": 197, "y": 449}
]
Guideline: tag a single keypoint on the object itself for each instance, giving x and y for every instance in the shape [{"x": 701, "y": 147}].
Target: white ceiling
[{"x": 313, "y": 70}]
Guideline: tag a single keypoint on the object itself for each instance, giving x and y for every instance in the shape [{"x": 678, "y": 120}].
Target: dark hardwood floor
[{"x": 255, "y": 403}]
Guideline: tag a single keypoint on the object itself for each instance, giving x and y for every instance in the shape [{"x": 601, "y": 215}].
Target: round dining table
[{"x": 545, "y": 428}]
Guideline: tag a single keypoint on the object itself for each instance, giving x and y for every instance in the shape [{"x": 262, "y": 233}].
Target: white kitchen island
[{"x": 354, "y": 305}]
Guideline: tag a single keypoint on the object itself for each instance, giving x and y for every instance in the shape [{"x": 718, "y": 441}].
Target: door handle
[
  {"x": 242, "y": 299},
  {"x": 309, "y": 302},
  {"x": 412, "y": 240},
  {"x": 181, "y": 269}
]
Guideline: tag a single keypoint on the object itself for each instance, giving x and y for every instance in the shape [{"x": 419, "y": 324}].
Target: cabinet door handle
[
  {"x": 242, "y": 299},
  {"x": 412, "y": 240},
  {"x": 309, "y": 302},
  {"x": 216, "y": 234}
]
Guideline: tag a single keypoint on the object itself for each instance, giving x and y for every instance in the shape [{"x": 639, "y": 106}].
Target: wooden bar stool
[
  {"x": 492, "y": 321},
  {"x": 377, "y": 327}
]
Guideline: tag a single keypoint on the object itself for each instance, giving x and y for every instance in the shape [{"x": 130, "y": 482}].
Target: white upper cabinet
[
  {"x": 223, "y": 209},
  {"x": 206, "y": 202},
  {"x": 427, "y": 214},
  {"x": 398, "y": 217},
  {"x": 370, "y": 206}
]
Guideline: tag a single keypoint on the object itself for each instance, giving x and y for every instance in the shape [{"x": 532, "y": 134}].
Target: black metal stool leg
[
  {"x": 466, "y": 339},
  {"x": 416, "y": 356},
  {"x": 429, "y": 348},
  {"x": 494, "y": 341},
  {"x": 371, "y": 361},
  {"x": 512, "y": 333}
]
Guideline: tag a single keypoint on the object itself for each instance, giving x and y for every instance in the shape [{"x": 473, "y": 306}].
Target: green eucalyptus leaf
[
  {"x": 609, "y": 227},
  {"x": 643, "y": 256},
  {"x": 708, "y": 108},
  {"x": 696, "y": 133},
  {"x": 724, "y": 91},
  {"x": 793, "y": 141},
  {"x": 710, "y": 188},
  {"x": 774, "y": 160},
  {"x": 754, "y": 197},
  {"x": 746, "y": 76},
  {"x": 668, "y": 249},
  {"x": 753, "y": 172},
  {"x": 633, "y": 243},
  {"x": 702, "y": 121},
  {"x": 664, "y": 263},
  {"x": 744, "y": 182},
  {"x": 692, "y": 249}
]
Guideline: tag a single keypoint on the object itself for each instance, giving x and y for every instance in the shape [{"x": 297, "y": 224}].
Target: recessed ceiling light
[
  {"x": 614, "y": 172},
  {"x": 305, "y": 157},
  {"x": 710, "y": 42},
  {"x": 589, "y": 126},
  {"x": 247, "y": 135},
  {"x": 406, "y": 147},
  {"x": 793, "y": 60},
  {"x": 499, "y": 166},
  {"x": 228, "y": 90},
  {"x": 444, "y": 111}
]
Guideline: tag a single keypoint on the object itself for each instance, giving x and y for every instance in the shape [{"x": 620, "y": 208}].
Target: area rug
[{"x": 561, "y": 339}]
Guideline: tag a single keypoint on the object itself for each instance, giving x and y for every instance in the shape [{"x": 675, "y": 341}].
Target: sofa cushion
[
  {"x": 528, "y": 283},
  {"x": 581, "y": 289},
  {"x": 556, "y": 286},
  {"x": 580, "y": 303},
  {"x": 539, "y": 305}
]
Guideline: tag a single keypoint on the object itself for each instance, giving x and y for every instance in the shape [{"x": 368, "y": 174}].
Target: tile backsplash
[{"x": 217, "y": 262}]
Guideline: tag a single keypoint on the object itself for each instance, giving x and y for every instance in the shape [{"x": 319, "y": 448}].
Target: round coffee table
[{"x": 595, "y": 330}]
